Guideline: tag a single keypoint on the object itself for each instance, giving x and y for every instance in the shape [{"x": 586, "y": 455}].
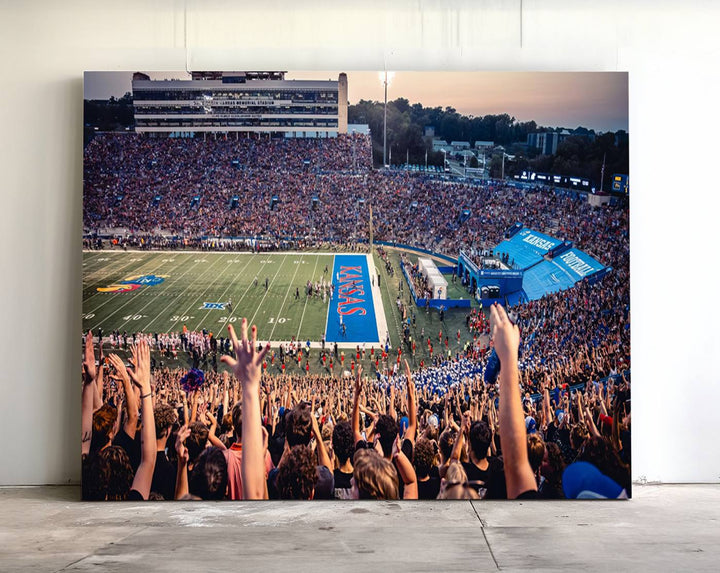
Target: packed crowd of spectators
[
  {"x": 148, "y": 187},
  {"x": 442, "y": 433},
  {"x": 446, "y": 430}
]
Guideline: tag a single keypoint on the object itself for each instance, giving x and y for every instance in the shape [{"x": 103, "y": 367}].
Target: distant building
[
  {"x": 484, "y": 145},
  {"x": 547, "y": 141},
  {"x": 429, "y": 131},
  {"x": 439, "y": 144},
  {"x": 459, "y": 145},
  {"x": 245, "y": 102}
]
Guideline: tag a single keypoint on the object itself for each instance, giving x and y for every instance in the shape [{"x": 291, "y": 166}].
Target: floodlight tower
[{"x": 386, "y": 78}]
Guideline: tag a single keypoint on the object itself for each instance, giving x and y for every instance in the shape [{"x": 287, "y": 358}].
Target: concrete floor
[{"x": 664, "y": 528}]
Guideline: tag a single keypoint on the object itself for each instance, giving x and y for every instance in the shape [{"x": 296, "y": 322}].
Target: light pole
[
  {"x": 385, "y": 124},
  {"x": 386, "y": 80},
  {"x": 510, "y": 157}
]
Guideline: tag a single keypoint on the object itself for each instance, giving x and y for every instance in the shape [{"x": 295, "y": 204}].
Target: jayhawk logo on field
[{"x": 134, "y": 283}]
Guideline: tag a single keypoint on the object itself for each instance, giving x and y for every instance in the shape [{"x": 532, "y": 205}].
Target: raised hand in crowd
[
  {"x": 518, "y": 473},
  {"x": 247, "y": 368},
  {"x": 140, "y": 374}
]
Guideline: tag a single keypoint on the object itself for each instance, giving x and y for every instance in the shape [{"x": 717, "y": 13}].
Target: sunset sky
[{"x": 596, "y": 100}]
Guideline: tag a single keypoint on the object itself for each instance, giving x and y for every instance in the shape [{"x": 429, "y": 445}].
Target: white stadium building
[{"x": 241, "y": 102}]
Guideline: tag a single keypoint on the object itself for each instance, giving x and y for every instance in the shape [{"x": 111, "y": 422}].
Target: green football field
[
  {"x": 189, "y": 284},
  {"x": 178, "y": 284}
]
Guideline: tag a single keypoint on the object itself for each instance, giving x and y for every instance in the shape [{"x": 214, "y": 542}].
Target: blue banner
[
  {"x": 536, "y": 241},
  {"x": 579, "y": 264}
]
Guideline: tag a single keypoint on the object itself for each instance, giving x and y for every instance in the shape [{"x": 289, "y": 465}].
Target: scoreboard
[
  {"x": 620, "y": 183},
  {"x": 580, "y": 183}
]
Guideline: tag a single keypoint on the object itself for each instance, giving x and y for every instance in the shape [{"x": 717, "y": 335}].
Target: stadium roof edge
[{"x": 205, "y": 84}]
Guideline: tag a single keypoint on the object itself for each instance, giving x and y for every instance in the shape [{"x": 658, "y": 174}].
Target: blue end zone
[{"x": 351, "y": 302}]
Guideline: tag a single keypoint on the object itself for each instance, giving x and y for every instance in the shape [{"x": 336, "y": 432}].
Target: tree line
[
  {"x": 406, "y": 123},
  {"x": 579, "y": 155},
  {"x": 107, "y": 115}
]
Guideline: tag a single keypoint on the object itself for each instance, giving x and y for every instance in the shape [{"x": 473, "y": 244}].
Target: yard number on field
[{"x": 176, "y": 318}]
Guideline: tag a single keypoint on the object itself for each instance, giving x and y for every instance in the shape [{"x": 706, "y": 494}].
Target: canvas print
[{"x": 355, "y": 285}]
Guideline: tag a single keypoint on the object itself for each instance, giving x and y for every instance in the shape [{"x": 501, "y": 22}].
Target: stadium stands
[{"x": 574, "y": 338}]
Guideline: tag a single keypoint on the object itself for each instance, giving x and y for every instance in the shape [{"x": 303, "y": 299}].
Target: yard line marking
[
  {"x": 93, "y": 253},
  {"x": 246, "y": 291},
  {"x": 207, "y": 270},
  {"x": 226, "y": 289},
  {"x": 132, "y": 299},
  {"x": 92, "y": 265},
  {"x": 93, "y": 256},
  {"x": 306, "y": 301},
  {"x": 297, "y": 268},
  {"x": 280, "y": 266},
  {"x": 192, "y": 304}
]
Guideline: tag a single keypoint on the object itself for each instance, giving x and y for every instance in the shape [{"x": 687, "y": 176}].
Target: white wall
[{"x": 669, "y": 48}]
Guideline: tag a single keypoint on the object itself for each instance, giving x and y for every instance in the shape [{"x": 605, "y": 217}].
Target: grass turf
[{"x": 194, "y": 278}]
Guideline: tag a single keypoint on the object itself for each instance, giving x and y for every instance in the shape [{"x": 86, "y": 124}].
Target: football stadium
[{"x": 246, "y": 195}]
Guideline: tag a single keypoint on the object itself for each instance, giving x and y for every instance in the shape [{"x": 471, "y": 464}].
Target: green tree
[{"x": 580, "y": 155}]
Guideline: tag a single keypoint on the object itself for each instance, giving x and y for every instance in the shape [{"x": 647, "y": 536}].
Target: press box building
[{"x": 242, "y": 102}]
